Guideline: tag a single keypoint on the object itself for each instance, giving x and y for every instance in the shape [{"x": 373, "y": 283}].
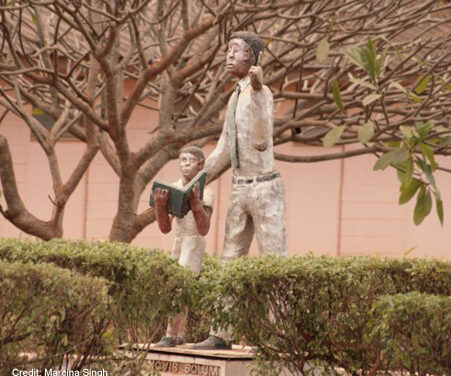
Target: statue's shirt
[
  {"x": 252, "y": 107},
  {"x": 186, "y": 226},
  {"x": 189, "y": 246}
]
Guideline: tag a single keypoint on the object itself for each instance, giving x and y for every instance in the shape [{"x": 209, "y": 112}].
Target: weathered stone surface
[{"x": 183, "y": 360}]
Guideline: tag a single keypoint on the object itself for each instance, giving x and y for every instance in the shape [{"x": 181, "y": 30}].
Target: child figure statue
[{"x": 189, "y": 242}]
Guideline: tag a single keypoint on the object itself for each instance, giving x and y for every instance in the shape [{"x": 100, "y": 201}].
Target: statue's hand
[
  {"x": 161, "y": 197},
  {"x": 194, "y": 198},
  {"x": 256, "y": 76}
]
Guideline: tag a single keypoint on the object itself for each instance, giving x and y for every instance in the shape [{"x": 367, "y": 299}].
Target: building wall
[{"x": 337, "y": 207}]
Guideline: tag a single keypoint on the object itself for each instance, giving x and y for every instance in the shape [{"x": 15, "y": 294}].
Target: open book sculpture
[{"x": 178, "y": 204}]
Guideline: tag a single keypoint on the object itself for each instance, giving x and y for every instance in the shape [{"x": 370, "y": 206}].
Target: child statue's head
[{"x": 191, "y": 161}]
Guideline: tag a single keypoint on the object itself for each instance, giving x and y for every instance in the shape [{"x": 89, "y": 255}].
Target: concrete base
[
  {"x": 185, "y": 361},
  {"x": 182, "y": 360}
]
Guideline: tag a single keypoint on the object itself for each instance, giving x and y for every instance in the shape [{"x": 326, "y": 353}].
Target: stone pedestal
[{"x": 184, "y": 361}]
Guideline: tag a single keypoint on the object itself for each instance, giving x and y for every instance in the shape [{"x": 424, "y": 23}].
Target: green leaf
[
  {"x": 371, "y": 48},
  {"x": 332, "y": 137},
  {"x": 366, "y": 132},
  {"x": 337, "y": 96},
  {"x": 394, "y": 156},
  {"x": 439, "y": 207},
  {"x": 424, "y": 129},
  {"x": 37, "y": 111},
  {"x": 429, "y": 154},
  {"x": 415, "y": 97},
  {"x": 446, "y": 142},
  {"x": 380, "y": 62},
  {"x": 354, "y": 56},
  {"x": 409, "y": 251},
  {"x": 392, "y": 144},
  {"x": 404, "y": 171},
  {"x": 384, "y": 161},
  {"x": 368, "y": 57},
  {"x": 398, "y": 86},
  {"x": 409, "y": 172},
  {"x": 423, "y": 206},
  {"x": 407, "y": 192},
  {"x": 428, "y": 172},
  {"x": 401, "y": 175},
  {"x": 421, "y": 87},
  {"x": 406, "y": 131},
  {"x": 362, "y": 83},
  {"x": 401, "y": 155},
  {"x": 322, "y": 52},
  {"x": 370, "y": 99}
]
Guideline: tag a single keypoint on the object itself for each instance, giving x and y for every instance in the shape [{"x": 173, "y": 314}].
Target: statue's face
[
  {"x": 190, "y": 165},
  {"x": 239, "y": 57}
]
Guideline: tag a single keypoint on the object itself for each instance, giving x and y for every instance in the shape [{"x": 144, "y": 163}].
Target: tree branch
[
  {"x": 157, "y": 68},
  {"x": 325, "y": 157},
  {"x": 16, "y": 213}
]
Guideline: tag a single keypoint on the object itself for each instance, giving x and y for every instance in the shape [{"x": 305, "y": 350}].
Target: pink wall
[{"x": 335, "y": 207}]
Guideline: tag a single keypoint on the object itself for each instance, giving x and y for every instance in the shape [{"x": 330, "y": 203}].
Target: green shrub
[
  {"x": 302, "y": 311},
  {"x": 46, "y": 313},
  {"x": 299, "y": 312},
  {"x": 146, "y": 285},
  {"x": 413, "y": 332},
  {"x": 199, "y": 318}
]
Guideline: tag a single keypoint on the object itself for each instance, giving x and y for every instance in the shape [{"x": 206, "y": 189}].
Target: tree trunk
[{"x": 125, "y": 217}]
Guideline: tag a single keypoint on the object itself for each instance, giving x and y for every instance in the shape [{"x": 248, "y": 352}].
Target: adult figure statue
[{"x": 257, "y": 202}]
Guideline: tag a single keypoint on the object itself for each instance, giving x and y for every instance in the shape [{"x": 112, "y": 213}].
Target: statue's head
[
  {"x": 191, "y": 161},
  {"x": 244, "y": 49}
]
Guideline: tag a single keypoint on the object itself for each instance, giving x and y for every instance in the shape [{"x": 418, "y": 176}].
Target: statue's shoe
[
  {"x": 212, "y": 343},
  {"x": 170, "y": 342}
]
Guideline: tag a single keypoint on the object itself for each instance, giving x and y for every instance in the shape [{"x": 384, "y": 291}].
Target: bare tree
[{"x": 373, "y": 73}]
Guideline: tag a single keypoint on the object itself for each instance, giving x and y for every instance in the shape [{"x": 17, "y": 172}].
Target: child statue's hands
[
  {"x": 161, "y": 198},
  {"x": 194, "y": 198}
]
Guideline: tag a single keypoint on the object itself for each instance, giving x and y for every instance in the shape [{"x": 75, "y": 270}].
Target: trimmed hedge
[
  {"x": 303, "y": 311},
  {"x": 146, "y": 285},
  {"x": 199, "y": 319},
  {"x": 47, "y": 312},
  {"x": 299, "y": 312},
  {"x": 413, "y": 332}
]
